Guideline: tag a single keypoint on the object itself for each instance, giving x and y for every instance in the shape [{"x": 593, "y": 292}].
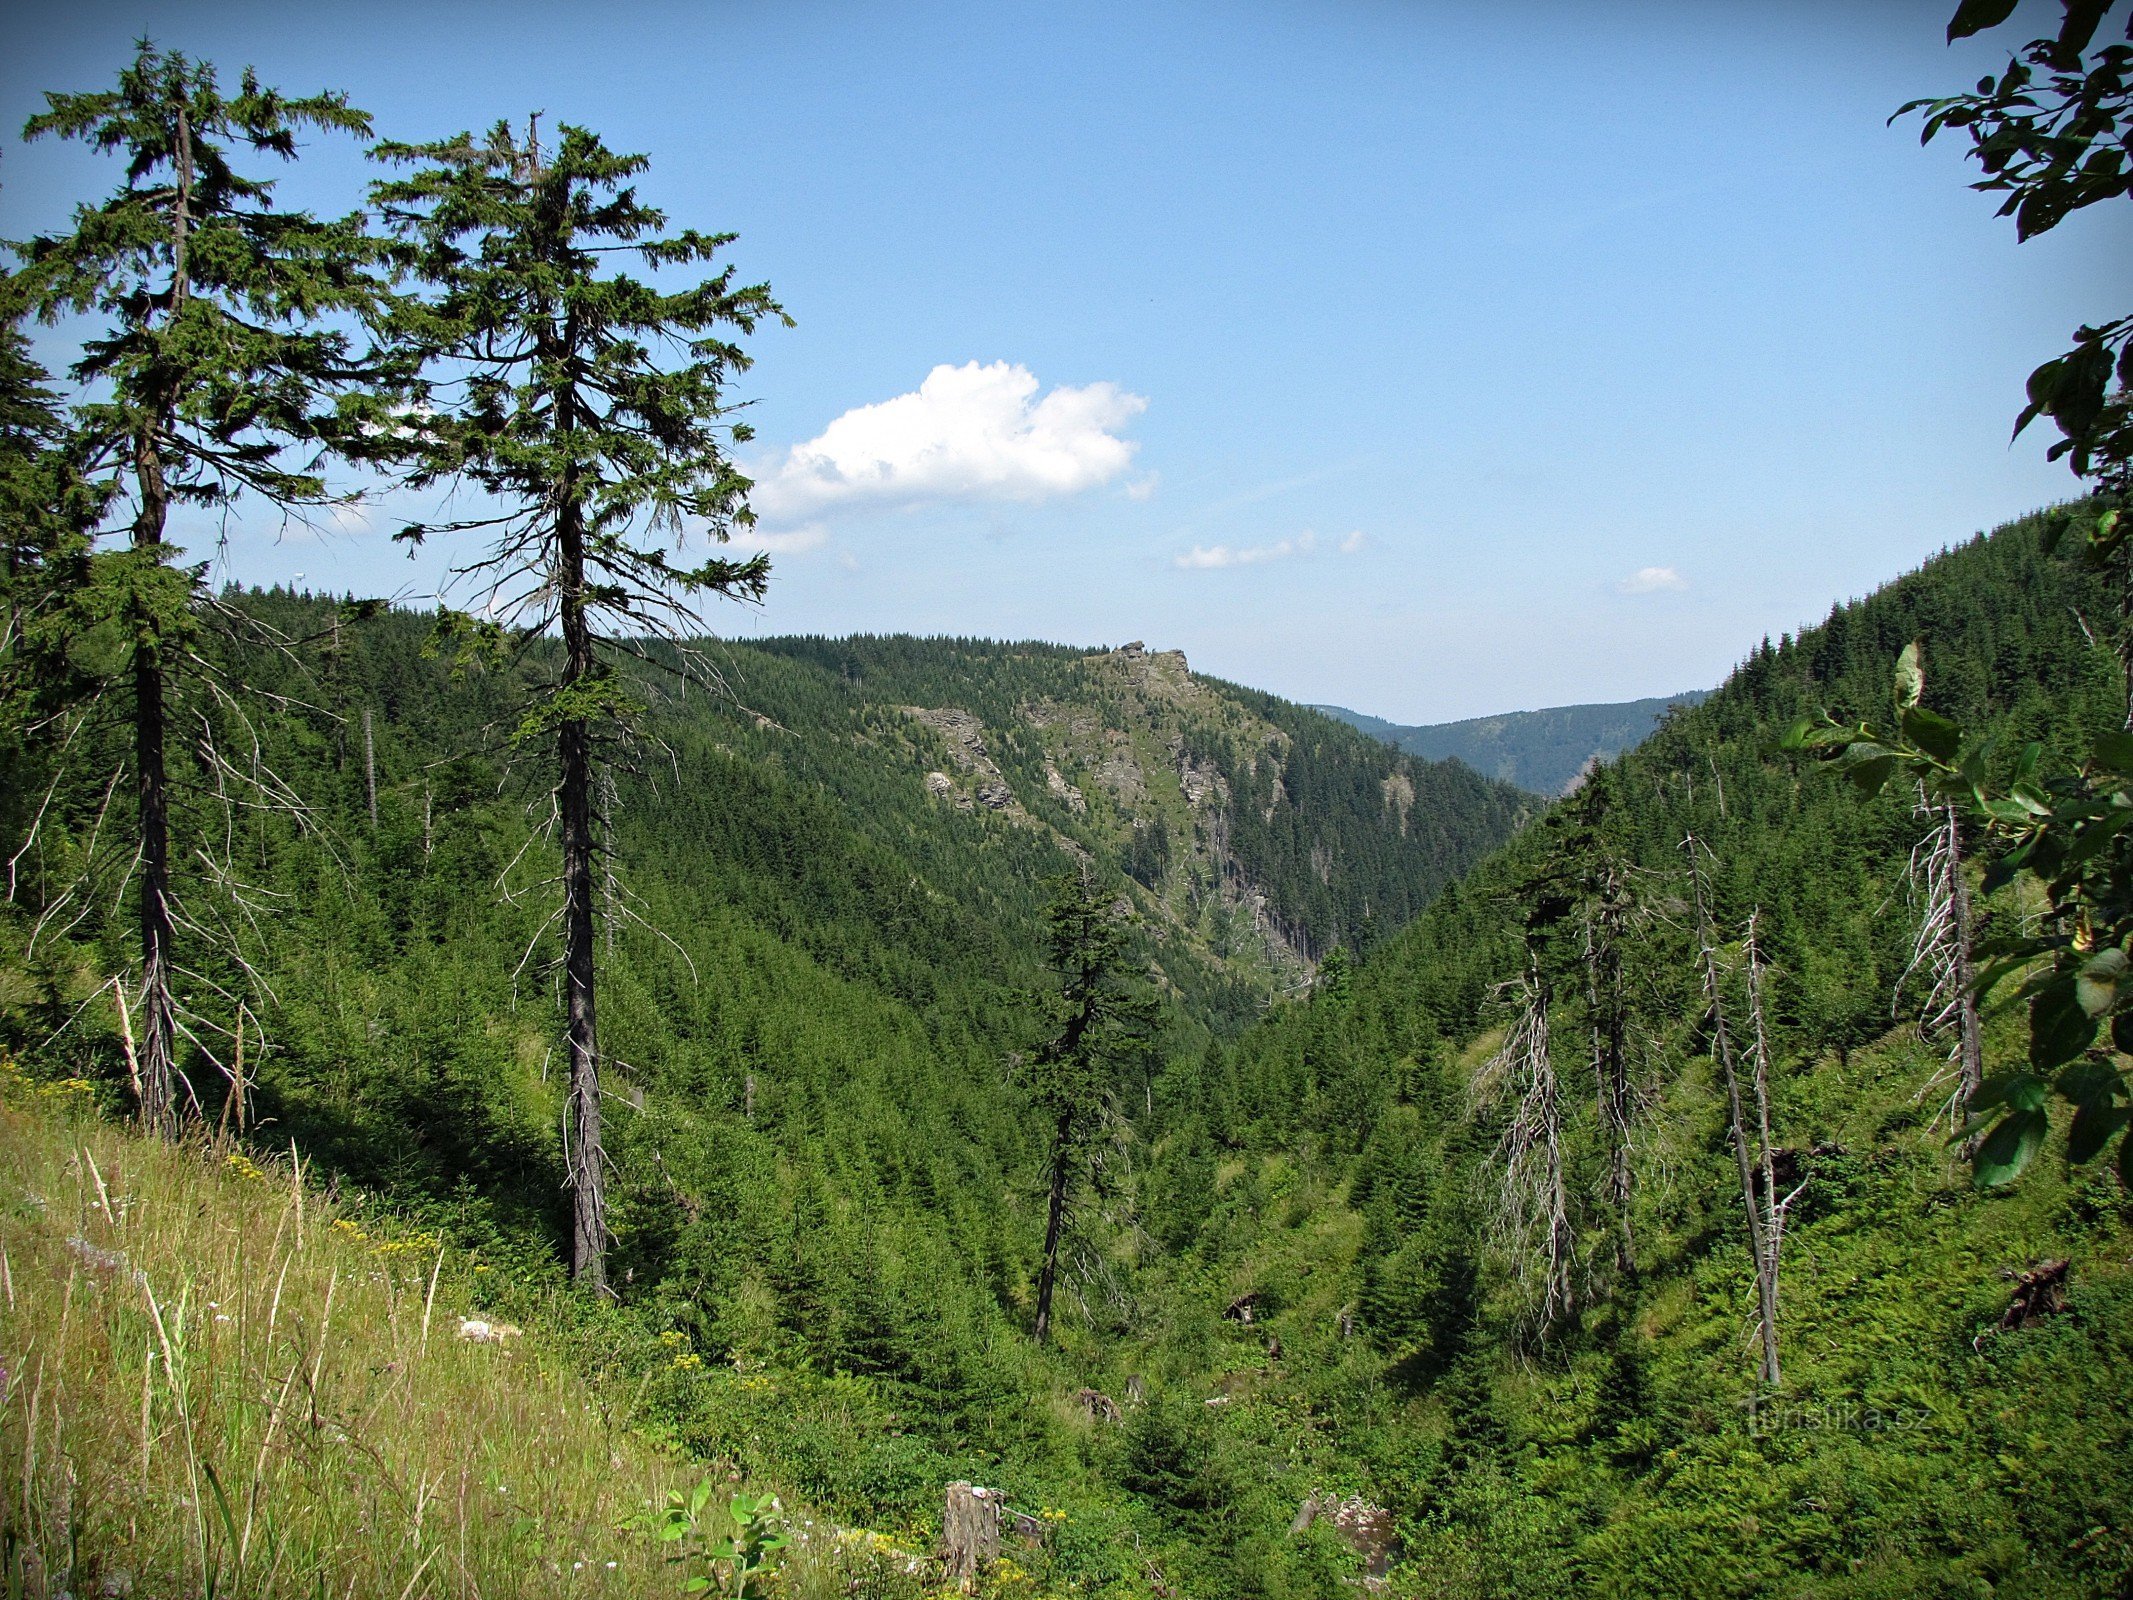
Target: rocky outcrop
[
  {"x": 965, "y": 738},
  {"x": 1119, "y": 773},
  {"x": 1399, "y": 792},
  {"x": 1365, "y": 1528},
  {"x": 1055, "y": 782}
]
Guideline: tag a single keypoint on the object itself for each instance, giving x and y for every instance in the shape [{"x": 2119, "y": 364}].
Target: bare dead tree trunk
[
  {"x": 370, "y": 769},
  {"x": 1533, "y": 1207},
  {"x": 1759, "y": 1242},
  {"x": 1970, "y": 1045},
  {"x": 1941, "y": 949},
  {"x": 1759, "y": 1085}
]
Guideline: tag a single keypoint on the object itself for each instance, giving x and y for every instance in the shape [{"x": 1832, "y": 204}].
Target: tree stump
[{"x": 970, "y": 1532}]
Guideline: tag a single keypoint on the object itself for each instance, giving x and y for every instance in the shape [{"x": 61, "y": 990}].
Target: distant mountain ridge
[{"x": 1541, "y": 751}]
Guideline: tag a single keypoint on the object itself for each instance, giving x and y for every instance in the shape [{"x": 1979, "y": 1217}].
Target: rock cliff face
[
  {"x": 964, "y": 736},
  {"x": 1139, "y": 755}
]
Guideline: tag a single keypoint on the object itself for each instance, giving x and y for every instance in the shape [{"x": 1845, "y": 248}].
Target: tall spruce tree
[
  {"x": 590, "y": 408},
  {"x": 1106, "y": 1024},
  {"x": 219, "y": 366}
]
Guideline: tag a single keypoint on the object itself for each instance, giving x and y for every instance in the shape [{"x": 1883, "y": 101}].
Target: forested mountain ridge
[
  {"x": 1942, "y": 1427},
  {"x": 1547, "y": 751},
  {"x": 1259, "y": 836}
]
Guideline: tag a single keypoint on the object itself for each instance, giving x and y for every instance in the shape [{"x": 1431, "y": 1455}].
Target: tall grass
[{"x": 215, "y": 1384}]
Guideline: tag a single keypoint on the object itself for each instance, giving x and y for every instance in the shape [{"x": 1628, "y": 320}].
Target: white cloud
[
  {"x": 1206, "y": 558},
  {"x": 782, "y": 541},
  {"x": 1143, "y": 487},
  {"x": 1352, "y": 543},
  {"x": 1650, "y": 580},
  {"x": 967, "y": 433}
]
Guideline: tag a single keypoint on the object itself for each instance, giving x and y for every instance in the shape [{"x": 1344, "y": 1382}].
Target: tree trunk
[
  {"x": 1062, "y": 1138},
  {"x": 588, "y": 1235},
  {"x": 1770, "y": 1219},
  {"x": 159, "y": 1031},
  {"x": 1722, "y": 1047},
  {"x": 370, "y": 766},
  {"x": 970, "y": 1533}
]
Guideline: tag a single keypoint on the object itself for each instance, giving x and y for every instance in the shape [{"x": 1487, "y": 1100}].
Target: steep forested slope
[{"x": 1341, "y": 1165}]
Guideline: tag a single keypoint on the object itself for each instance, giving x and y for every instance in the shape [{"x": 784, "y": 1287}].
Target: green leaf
[
  {"x": 2089, "y": 1083},
  {"x": 1870, "y": 772},
  {"x": 1932, "y": 733},
  {"x": 2060, "y": 1028},
  {"x": 700, "y": 1499},
  {"x": 1975, "y": 16},
  {"x": 2023, "y": 1091},
  {"x": 2007, "y": 1149},
  {"x": 2030, "y": 798},
  {"x": 2096, "y": 988},
  {"x": 1823, "y": 738},
  {"x": 2092, "y": 1130},
  {"x": 1910, "y": 676},
  {"x": 222, "y": 1506},
  {"x": 2125, "y": 1160}
]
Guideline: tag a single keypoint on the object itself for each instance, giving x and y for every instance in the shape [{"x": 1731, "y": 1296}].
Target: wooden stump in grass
[{"x": 970, "y": 1532}]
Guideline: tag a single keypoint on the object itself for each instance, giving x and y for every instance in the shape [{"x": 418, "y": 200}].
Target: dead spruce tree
[
  {"x": 1941, "y": 952},
  {"x": 1752, "y": 1147},
  {"x": 590, "y": 409},
  {"x": 1579, "y": 908},
  {"x": 216, "y": 367},
  {"x": 1531, "y": 1202},
  {"x": 1600, "y": 879}
]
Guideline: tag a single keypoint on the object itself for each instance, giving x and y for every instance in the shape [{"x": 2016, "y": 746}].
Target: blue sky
[{"x": 1430, "y": 359}]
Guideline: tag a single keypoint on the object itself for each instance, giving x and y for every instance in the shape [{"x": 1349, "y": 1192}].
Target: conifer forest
[{"x": 531, "y": 1092}]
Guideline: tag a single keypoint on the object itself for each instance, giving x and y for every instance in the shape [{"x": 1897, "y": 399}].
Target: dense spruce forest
[{"x": 521, "y": 1097}]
